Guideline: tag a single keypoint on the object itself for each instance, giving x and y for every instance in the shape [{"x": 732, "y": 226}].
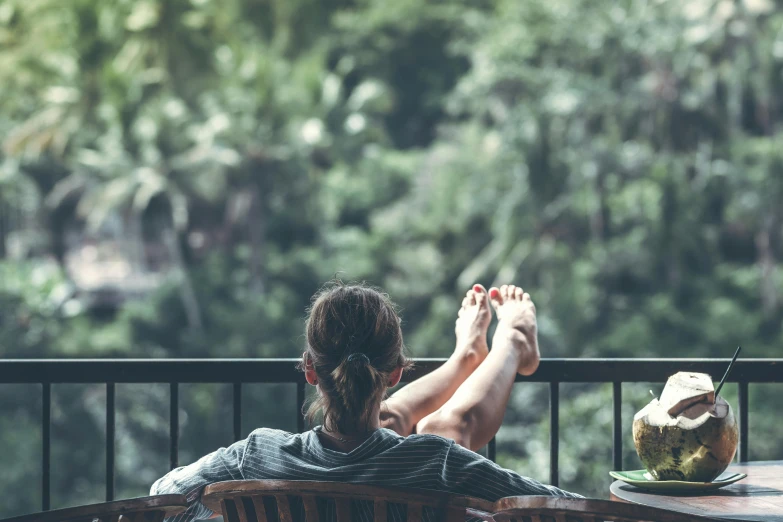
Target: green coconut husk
[{"x": 696, "y": 445}]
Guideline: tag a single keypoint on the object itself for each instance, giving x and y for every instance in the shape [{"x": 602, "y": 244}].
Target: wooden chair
[
  {"x": 555, "y": 509},
  {"x": 300, "y": 501},
  {"x": 144, "y": 509}
]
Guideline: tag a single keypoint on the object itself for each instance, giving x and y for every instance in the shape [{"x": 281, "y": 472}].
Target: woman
[{"x": 422, "y": 436}]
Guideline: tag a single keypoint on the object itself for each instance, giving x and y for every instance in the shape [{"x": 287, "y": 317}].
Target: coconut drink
[{"x": 689, "y": 433}]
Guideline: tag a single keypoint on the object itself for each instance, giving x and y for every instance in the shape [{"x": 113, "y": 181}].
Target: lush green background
[{"x": 621, "y": 160}]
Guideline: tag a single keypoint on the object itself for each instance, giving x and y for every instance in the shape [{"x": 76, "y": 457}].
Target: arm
[
  {"x": 414, "y": 401},
  {"x": 223, "y": 464}
]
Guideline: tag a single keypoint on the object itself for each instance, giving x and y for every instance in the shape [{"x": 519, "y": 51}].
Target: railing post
[
  {"x": 46, "y": 442},
  {"x": 109, "y": 441},
  {"x": 743, "y": 421},
  {"x": 237, "y": 411},
  {"x": 554, "y": 432},
  {"x": 300, "y": 400},
  {"x": 617, "y": 425},
  {"x": 173, "y": 424}
]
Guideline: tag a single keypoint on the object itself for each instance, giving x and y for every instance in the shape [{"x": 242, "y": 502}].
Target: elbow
[
  {"x": 154, "y": 489},
  {"x": 397, "y": 419},
  {"x": 157, "y": 488},
  {"x": 166, "y": 485}
]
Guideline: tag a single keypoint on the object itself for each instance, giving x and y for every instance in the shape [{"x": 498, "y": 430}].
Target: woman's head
[{"x": 354, "y": 353}]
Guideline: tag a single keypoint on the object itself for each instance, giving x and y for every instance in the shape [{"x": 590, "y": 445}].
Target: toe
[
  {"x": 481, "y": 295},
  {"x": 471, "y": 298},
  {"x": 465, "y": 302},
  {"x": 494, "y": 297},
  {"x": 504, "y": 292},
  {"x": 519, "y": 293}
]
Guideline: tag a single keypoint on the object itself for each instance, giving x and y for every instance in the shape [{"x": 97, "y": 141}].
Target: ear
[
  {"x": 394, "y": 377},
  {"x": 310, "y": 376}
]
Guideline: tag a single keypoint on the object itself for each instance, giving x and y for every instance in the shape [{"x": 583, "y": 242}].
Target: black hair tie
[{"x": 358, "y": 356}]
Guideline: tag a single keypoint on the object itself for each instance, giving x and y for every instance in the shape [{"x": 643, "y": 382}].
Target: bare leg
[
  {"x": 403, "y": 410},
  {"x": 474, "y": 413}
]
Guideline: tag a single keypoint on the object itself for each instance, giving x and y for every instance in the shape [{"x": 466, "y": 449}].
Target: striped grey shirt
[{"x": 384, "y": 459}]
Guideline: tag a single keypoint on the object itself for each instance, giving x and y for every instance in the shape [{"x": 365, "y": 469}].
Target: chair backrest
[
  {"x": 556, "y": 509},
  {"x": 300, "y": 501},
  {"x": 144, "y": 509}
]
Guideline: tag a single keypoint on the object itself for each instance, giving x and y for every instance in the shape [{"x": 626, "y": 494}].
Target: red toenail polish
[{"x": 477, "y": 288}]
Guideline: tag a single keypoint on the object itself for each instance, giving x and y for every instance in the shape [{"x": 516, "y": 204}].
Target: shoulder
[
  {"x": 270, "y": 437},
  {"x": 271, "y": 433},
  {"x": 268, "y": 443},
  {"x": 426, "y": 438},
  {"x": 463, "y": 460},
  {"x": 434, "y": 443}
]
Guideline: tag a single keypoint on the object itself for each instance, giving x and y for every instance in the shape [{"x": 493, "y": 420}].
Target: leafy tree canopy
[{"x": 621, "y": 160}]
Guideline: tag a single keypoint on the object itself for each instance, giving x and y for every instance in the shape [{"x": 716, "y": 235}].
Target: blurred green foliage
[{"x": 622, "y": 160}]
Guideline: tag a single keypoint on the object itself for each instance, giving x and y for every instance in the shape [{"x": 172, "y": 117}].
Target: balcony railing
[{"x": 240, "y": 371}]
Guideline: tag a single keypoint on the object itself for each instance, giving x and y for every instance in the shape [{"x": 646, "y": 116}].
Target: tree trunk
[
  {"x": 186, "y": 292},
  {"x": 769, "y": 293},
  {"x": 3, "y": 229},
  {"x": 257, "y": 234},
  {"x": 600, "y": 218}
]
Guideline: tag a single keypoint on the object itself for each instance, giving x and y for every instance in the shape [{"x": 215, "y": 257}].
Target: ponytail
[{"x": 358, "y": 386}]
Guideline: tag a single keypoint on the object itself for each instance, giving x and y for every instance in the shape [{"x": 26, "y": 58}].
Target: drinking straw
[{"x": 731, "y": 364}]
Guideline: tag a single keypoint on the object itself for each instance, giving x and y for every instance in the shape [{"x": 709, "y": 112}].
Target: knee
[{"x": 451, "y": 424}]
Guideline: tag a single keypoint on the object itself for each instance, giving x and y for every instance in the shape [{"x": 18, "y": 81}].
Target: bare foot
[
  {"x": 471, "y": 327},
  {"x": 517, "y": 325}
]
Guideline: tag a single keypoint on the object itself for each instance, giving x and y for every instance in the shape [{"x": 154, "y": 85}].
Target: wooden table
[{"x": 759, "y": 497}]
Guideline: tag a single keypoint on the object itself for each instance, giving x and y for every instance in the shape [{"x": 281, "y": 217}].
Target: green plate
[{"x": 643, "y": 480}]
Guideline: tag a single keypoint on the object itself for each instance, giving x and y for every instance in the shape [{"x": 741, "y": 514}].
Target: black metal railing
[{"x": 240, "y": 371}]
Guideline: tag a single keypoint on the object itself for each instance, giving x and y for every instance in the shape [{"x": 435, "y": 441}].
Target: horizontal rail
[{"x": 284, "y": 370}]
